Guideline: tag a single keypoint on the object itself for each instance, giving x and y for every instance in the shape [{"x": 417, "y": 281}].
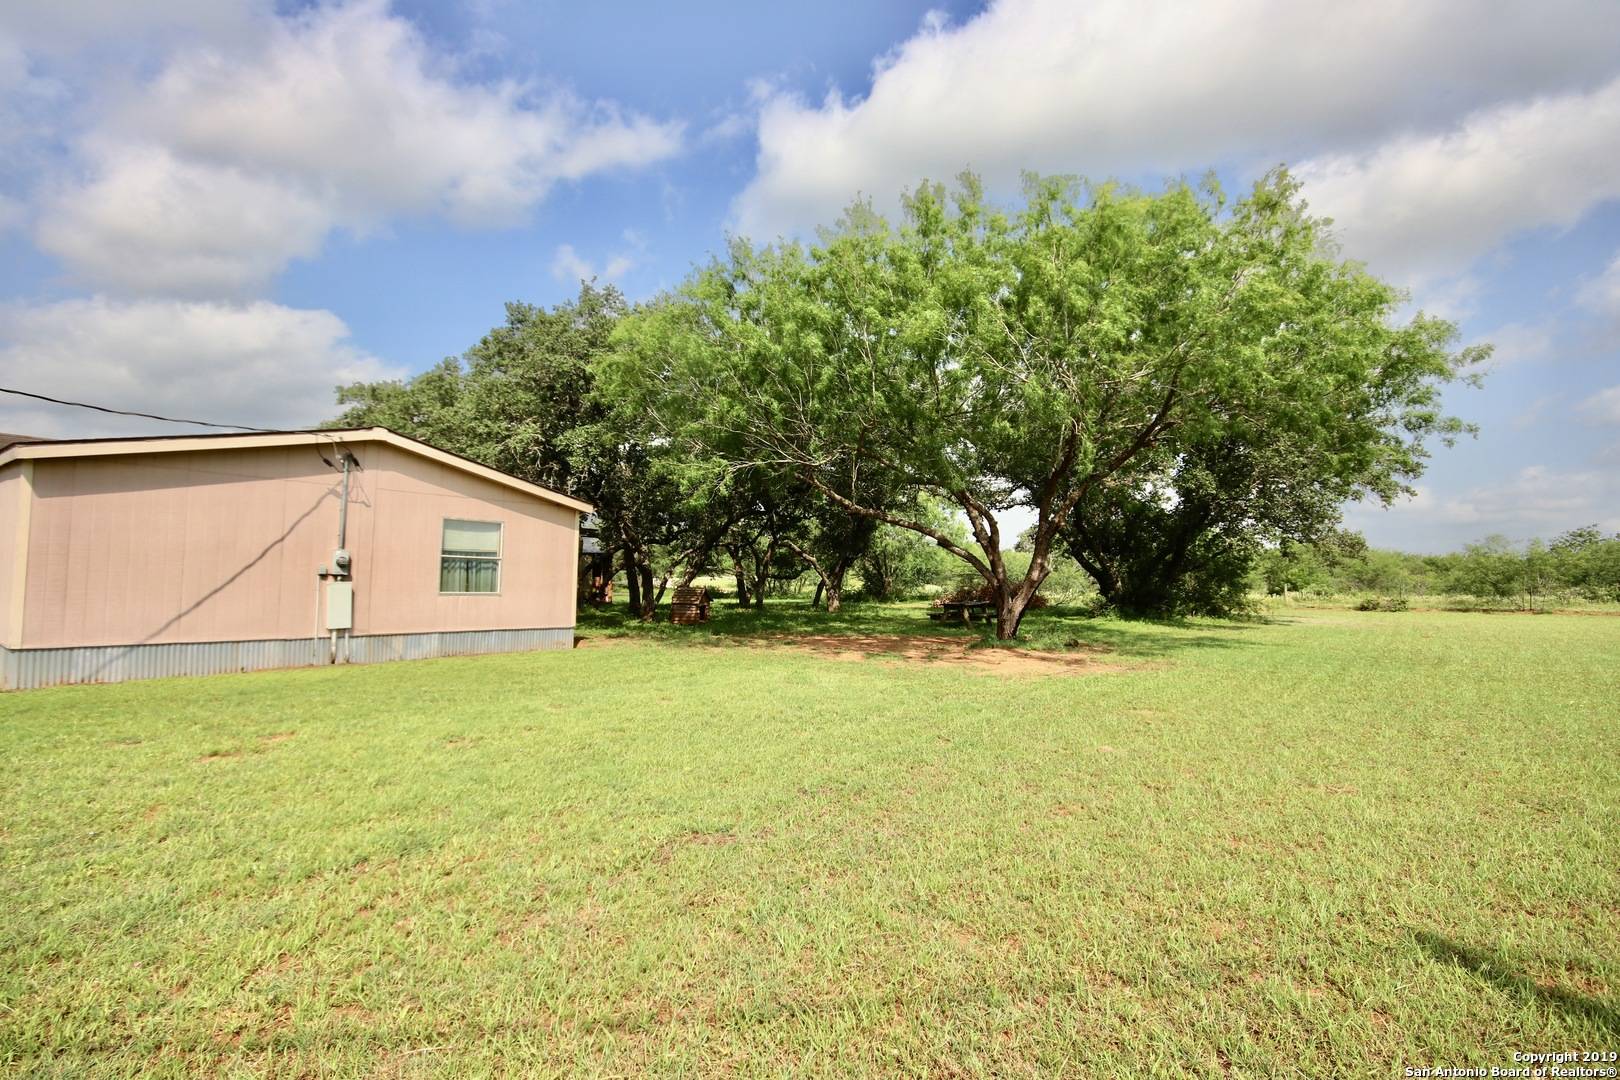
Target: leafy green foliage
[
  {"x": 1491, "y": 569},
  {"x": 1587, "y": 563},
  {"x": 900, "y": 563},
  {"x": 522, "y": 400},
  {"x": 525, "y": 400},
  {"x": 1066, "y": 584},
  {"x": 1043, "y": 357},
  {"x": 1185, "y": 537},
  {"x": 1581, "y": 565}
]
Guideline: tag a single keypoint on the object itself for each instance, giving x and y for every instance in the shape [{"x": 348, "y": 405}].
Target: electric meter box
[{"x": 340, "y": 605}]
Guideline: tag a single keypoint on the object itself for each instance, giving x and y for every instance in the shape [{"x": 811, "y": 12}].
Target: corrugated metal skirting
[
  {"x": 377, "y": 648},
  {"x": 26, "y": 669}
]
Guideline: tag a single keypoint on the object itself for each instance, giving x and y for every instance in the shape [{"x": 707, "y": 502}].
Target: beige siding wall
[
  {"x": 397, "y": 591},
  {"x": 14, "y": 518},
  {"x": 223, "y": 545},
  {"x": 213, "y": 546}
]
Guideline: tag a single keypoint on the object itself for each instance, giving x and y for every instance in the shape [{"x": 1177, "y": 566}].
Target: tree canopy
[
  {"x": 524, "y": 400},
  {"x": 1085, "y": 343}
]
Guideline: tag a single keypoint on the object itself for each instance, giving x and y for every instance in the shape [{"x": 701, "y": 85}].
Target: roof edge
[{"x": 168, "y": 444}]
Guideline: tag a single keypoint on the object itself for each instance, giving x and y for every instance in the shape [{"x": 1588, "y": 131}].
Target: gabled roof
[{"x": 25, "y": 449}]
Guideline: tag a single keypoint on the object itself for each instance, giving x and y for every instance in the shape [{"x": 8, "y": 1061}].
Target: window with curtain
[{"x": 470, "y": 557}]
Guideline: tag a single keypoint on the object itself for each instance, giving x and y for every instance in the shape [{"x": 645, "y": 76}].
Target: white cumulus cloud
[
  {"x": 153, "y": 223},
  {"x": 1426, "y": 206},
  {"x": 1521, "y": 343},
  {"x": 1603, "y": 407},
  {"x": 570, "y": 267},
  {"x": 1602, "y": 293},
  {"x": 233, "y": 159},
  {"x": 1127, "y": 86},
  {"x": 1535, "y": 501},
  {"x": 58, "y": 26},
  {"x": 257, "y": 364}
]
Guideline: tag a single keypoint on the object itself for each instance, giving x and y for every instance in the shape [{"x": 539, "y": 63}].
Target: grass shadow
[
  {"x": 1053, "y": 629},
  {"x": 1502, "y": 973}
]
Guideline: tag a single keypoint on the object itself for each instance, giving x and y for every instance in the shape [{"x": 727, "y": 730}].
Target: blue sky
[{"x": 220, "y": 208}]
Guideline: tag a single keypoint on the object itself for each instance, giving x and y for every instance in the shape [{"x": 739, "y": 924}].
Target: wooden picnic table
[{"x": 965, "y": 610}]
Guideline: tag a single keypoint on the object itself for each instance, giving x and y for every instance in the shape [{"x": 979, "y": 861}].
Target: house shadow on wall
[{"x": 331, "y": 494}]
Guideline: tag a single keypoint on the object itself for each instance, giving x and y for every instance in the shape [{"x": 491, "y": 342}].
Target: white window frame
[{"x": 497, "y": 558}]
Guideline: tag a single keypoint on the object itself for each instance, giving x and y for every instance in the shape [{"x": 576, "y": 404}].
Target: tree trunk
[
  {"x": 1094, "y": 562},
  {"x": 632, "y": 581},
  {"x": 835, "y": 586},
  {"x": 1012, "y": 599},
  {"x": 742, "y": 578},
  {"x": 1009, "y": 610},
  {"x": 697, "y": 559},
  {"x": 762, "y": 574},
  {"x": 1149, "y": 597},
  {"x": 829, "y": 583},
  {"x": 649, "y": 602}
]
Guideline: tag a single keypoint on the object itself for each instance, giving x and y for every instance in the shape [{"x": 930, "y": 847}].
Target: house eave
[{"x": 336, "y": 437}]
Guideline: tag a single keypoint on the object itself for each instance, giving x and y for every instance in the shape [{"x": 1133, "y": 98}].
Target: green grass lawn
[{"x": 1333, "y": 844}]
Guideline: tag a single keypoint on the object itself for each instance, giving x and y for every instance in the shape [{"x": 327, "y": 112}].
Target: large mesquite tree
[{"x": 1031, "y": 358}]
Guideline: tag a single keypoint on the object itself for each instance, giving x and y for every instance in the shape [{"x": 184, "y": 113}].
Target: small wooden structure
[
  {"x": 690, "y": 605},
  {"x": 595, "y": 564},
  {"x": 596, "y": 579}
]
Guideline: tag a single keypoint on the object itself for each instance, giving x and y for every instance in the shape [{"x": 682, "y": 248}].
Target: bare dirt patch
[
  {"x": 952, "y": 652},
  {"x": 942, "y": 649},
  {"x": 666, "y": 850}
]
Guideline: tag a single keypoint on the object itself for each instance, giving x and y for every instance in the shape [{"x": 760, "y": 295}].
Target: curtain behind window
[{"x": 470, "y": 557}]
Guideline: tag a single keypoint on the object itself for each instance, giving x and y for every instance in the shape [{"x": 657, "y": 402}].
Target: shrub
[
  {"x": 1068, "y": 584},
  {"x": 1383, "y": 603},
  {"x": 900, "y": 563},
  {"x": 968, "y": 592}
]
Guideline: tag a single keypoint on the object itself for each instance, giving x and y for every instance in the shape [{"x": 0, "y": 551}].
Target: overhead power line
[
  {"x": 132, "y": 412},
  {"x": 336, "y": 442}
]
